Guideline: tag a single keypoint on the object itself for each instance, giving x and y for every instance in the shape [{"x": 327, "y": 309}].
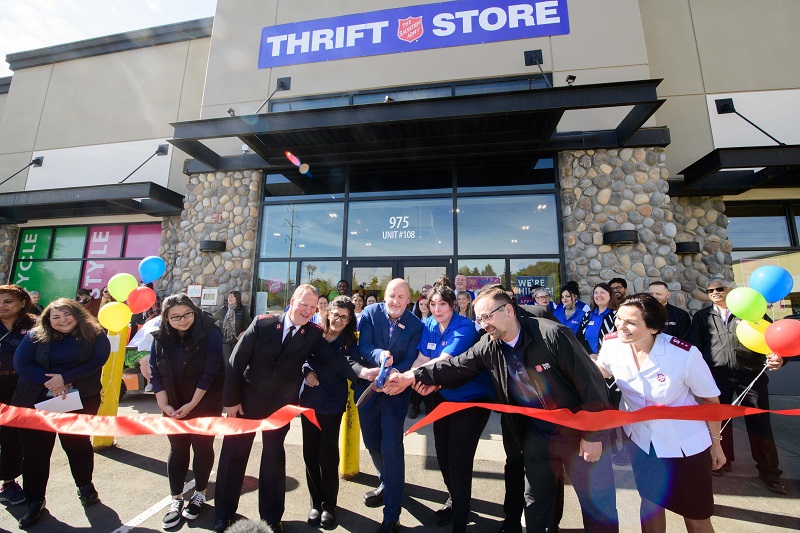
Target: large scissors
[{"x": 379, "y": 382}]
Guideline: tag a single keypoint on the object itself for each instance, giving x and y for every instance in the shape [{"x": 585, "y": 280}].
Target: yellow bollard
[
  {"x": 349, "y": 439},
  {"x": 111, "y": 379}
]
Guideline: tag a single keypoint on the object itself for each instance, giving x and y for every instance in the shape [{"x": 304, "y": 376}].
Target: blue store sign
[{"x": 408, "y": 29}]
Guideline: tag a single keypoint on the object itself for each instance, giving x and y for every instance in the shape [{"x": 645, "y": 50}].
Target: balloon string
[{"x": 738, "y": 401}]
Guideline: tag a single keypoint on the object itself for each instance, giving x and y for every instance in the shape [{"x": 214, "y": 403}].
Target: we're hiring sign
[{"x": 408, "y": 29}]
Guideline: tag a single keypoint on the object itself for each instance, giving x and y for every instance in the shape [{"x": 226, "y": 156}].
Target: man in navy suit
[
  {"x": 264, "y": 373},
  {"x": 388, "y": 332}
]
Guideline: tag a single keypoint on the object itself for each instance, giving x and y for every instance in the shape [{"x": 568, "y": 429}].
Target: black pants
[
  {"x": 514, "y": 479},
  {"x": 545, "y": 457},
  {"x": 10, "y": 445},
  {"x": 731, "y": 383},
  {"x": 418, "y": 399},
  {"x": 271, "y": 477},
  {"x": 180, "y": 447},
  {"x": 456, "y": 439},
  {"x": 37, "y": 447},
  {"x": 321, "y": 456}
]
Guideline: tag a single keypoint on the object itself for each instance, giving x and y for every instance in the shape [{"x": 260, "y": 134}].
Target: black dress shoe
[
  {"x": 775, "y": 486},
  {"x": 444, "y": 516},
  {"x": 276, "y": 528},
  {"x": 510, "y": 528},
  {"x": 328, "y": 520},
  {"x": 388, "y": 527},
  {"x": 221, "y": 525},
  {"x": 313, "y": 517},
  {"x": 88, "y": 495},
  {"x": 413, "y": 412},
  {"x": 374, "y": 498},
  {"x": 32, "y": 514}
]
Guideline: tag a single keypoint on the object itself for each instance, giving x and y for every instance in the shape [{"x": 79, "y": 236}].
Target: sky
[{"x": 31, "y": 24}]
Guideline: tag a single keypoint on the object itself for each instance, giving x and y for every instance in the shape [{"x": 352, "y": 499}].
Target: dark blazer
[
  {"x": 264, "y": 376},
  {"x": 374, "y": 338},
  {"x": 719, "y": 344},
  {"x": 678, "y": 323}
]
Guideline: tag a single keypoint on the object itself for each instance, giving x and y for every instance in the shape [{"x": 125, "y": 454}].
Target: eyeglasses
[
  {"x": 336, "y": 317},
  {"x": 542, "y": 296},
  {"x": 106, "y": 292},
  {"x": 485, "y": 318},
  {"x": 715, "y": 289},
  {"x": 178, "y": 318}
]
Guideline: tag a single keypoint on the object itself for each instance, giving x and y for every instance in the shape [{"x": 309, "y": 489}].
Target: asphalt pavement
[{"x": 131, "y": 480}]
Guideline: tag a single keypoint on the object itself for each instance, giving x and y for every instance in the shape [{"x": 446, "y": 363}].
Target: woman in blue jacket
[
  {"x": 570, "y": 313},
  {"x": 456, "y": 436},
  {"x": 600, "y": 320}
]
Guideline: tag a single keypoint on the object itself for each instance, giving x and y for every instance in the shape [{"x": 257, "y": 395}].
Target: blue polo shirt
[{"x": 457, "y": 338}]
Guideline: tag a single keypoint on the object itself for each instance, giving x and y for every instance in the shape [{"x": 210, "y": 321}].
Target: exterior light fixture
[
  {"x": 689, "y": 247},
  {"x": 211, "y": 246},
  {"x": 625, "y": 236}
]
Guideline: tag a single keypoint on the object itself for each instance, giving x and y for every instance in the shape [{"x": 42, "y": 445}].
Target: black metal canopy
[
  {"x": 122, "y": 199},
  {"x": 492, "y": 124},
  {"x": 733, "y": 171}
]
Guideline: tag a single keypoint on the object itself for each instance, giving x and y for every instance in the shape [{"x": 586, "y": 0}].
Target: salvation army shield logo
[
  {"x": 274, "y": 286},
  {"x": 409, "y": 29}
]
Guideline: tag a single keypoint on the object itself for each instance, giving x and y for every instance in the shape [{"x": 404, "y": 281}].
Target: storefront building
[{"x": 521, "y": 142}]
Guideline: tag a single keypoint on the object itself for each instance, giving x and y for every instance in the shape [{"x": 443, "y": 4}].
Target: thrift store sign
[{"x": 408, "y": 29}]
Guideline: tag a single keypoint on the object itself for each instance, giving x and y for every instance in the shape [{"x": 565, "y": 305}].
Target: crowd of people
[{"x": 619, "y": 351}]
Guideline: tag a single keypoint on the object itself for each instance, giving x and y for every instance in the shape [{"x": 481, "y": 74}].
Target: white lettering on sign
[
  {"x": 398, "y": 222},
  {"x": 495, "y": 18},
  {"x": 397, "y": 234},
  {"x": 98, "y": 237},
  {"x": 326, "y": 38}
]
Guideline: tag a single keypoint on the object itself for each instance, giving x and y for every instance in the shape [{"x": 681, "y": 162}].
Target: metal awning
[
  {"x": 122, "y": 199},
  {"x": 491, "y": 124},
  {"x": 730, "y": 171}
]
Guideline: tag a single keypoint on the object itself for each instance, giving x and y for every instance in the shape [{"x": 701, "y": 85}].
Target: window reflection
[
  {"x": 480, "y": 272},
  {"x": 527, "y": 274},
  {"x": 512, "y": 224},
  {"x": 321, "y": 274},
  {"x": 275, "y": 285},
  {"x": 302, "y": 230}
]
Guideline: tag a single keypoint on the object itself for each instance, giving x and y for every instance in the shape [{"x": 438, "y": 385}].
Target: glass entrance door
[{"x": 370, "y": 278}]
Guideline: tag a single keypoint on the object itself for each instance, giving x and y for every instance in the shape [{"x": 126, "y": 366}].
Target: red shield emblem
[
  {"x": 274, "y": 286},
  {"x": 409, "y": 29},
  {"x": 539, "y": 368}
]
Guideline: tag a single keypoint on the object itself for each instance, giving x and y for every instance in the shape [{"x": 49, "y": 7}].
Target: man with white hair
[
  {"x": 734, "y": 367},
  {"x": 263, "y": 374}
]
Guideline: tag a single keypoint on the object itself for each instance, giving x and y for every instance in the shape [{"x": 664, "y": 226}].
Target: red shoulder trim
[
  {"x": 262, "y": 317},
  {"x": 683, "y": 345},
  {"x": 315, "y": 325},
  {"x": 612, "y": 335}
]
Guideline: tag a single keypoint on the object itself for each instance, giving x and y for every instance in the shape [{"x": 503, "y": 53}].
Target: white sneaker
[
  {"x": 148, "y": 387},
  {"x": 195, "y": 506}
]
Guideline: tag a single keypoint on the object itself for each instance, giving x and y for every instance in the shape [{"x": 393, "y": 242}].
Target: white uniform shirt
[
  {"x": 673, "y": 374},
  {"x": 143, "y": 340}
]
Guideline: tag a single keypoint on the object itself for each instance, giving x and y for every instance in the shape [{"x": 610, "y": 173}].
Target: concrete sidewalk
[{"x": 131, "y": 480}]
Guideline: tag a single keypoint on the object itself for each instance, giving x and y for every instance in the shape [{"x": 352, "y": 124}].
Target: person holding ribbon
[
  {"x": 67, "y": 348},
  {"x": 672, "y": 459},
  {"x": 15, "y": 321},
  {"x": 325, "y": 391},
  {"x": 456, "y": 436},
  {"x": 186, "y": 372}
]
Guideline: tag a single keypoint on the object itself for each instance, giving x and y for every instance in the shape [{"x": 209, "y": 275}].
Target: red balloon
[
  {"x": 783, "y": 337},
  {"x": 141, "y": 299}
]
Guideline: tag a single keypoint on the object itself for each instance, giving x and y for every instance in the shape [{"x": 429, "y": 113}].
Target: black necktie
[{"x": 288, "y": 336}]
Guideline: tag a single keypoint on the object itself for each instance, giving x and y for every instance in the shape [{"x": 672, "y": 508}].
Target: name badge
[
  {"x": 431, "y": 345},
  {"x": 401, "y": 326},
  {"x": 590, "y": 323}
]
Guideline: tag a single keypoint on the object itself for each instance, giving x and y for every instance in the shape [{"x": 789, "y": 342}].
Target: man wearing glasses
[
  {"x": 263, "y": 374},
  {"x": 539, "y": 364},
  {"x": 734, "y": 367}
]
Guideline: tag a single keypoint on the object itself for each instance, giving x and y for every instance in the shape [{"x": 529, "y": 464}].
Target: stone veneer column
[
  {"x": 703, "y": 220},
  {"x": 236, "y": 197},
  {"x": 8, "y": 243},
  {"x": 608, "y": 190}
]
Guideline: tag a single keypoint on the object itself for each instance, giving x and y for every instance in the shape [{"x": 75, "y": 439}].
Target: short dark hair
[
  {"x": 659, "y": 283},
  {"x": 618, "y": 280},
  {"x": 654, "y": 314},
  {"x": 343, "y": 281},
  {"x": 83, "y": 292}
]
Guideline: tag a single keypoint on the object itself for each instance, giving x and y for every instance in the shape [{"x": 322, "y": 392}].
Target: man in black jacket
[
  {"x": 537, "y": 363},
  {"x": 678, "y": 322},
  {"x": 264, "y": 373},
  {"x": 734, "y": 367}
]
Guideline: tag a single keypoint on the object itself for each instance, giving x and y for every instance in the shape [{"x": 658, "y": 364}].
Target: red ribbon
[
  {"x": 600, "y": 420},
  {"x": 128, "y": 426}
]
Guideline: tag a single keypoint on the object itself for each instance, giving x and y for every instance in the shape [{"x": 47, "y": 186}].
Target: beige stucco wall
[{"x": 3, "y": 98}]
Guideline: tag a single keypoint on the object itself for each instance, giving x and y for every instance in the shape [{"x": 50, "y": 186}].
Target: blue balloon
[
  {"x": 773, "y": 282},
  {"x": 151, "y": 268}
]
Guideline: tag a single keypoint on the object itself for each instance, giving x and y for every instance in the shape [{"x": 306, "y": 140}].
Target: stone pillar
[
  {"x": 168, "y": 251},
  {"x": 608, "y": 190},
  {"x": 702, "y": 220},
  {"x": 8, "y": 243},
  {"x": 235, "y": 197}
]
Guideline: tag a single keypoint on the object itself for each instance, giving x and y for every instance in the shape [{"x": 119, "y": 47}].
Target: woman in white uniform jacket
[{"x": 672, "y": 459}]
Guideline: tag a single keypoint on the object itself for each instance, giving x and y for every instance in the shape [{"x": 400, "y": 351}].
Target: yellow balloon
[
  {"x": 114, "y": 316},
  {"x": 751, "y": 335}
]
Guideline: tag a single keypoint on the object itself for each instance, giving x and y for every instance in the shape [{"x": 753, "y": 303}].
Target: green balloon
[{"x": 747, "y": 304}]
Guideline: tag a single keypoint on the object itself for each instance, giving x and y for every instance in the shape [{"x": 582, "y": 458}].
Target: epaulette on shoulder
[
  {"x": 683, "y": 345},
  {"x": 315, "y": 325},
  {"x": 612, "y": 335},
  {"x": 263, "y": 317}
]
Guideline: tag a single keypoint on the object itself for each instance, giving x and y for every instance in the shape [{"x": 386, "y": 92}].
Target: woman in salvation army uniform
[
  {"x": 456, "y": 437},
  {"x": 672, "y": 459}
]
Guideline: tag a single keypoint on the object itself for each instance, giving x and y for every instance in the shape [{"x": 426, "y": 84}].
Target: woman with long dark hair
[
  {"x": 325, "y": 391},
  {"x": 186, "y": 373},
  {"x": 456, "y": 436},
  {"x": 600, "y": 320},
  {"x": 232, "y": 318},
  {"x": 15, "y": 321},
  {"x": 67, "y": 348}
]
